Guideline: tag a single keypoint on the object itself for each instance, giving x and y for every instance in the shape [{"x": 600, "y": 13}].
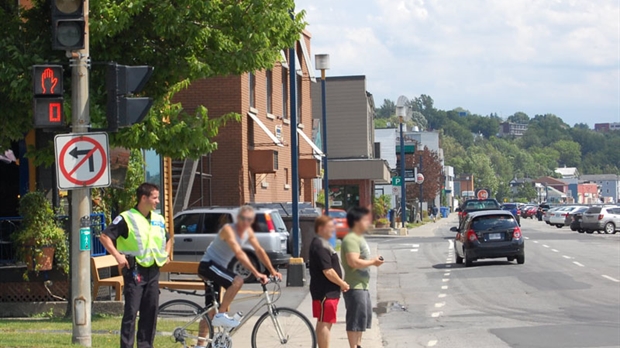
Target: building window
[
  {"x": 252, "y": 90},
  {"x": 275, "y": 160},
  {"x": 284, "y": 93},
  {"x": 269, "y": 92},
  {"x": 286, "y": 176}
]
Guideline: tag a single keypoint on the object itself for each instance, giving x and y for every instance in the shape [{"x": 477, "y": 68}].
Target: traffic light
[
  {"x": 122, "y": 81},
  {"x": 47, "y": 88},
  {"x": 68, "y": 25}
]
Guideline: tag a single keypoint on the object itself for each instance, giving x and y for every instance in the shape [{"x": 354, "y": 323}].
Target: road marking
[
  {"x": 566, "y": 257},
  {"x": 415, "y": 245},
  {"x": 431, "y": 343},
  {"x": 578, "y": 264},
  {"x": 414, "y": 250},
  {"x": 545, "y": 246},
  {"x": 536, "y": 242},
  {"x": 440, "y": 304},
  {"x": 441, "y": 295},
  {"x": 610, "y": 278},
  {"x": 445, "y": 280},
  {"x": 449, "y": 259},
  {"x": 526, "y": 237},
  {"x": 450, "y": 245},
  {"x": 436, "y": 314},
  {"x": 446, "y": 274},
  {"x": 555, "y": 250},
  {"x": 444, "y": 287},
  {"x": 448, "y": 266}
]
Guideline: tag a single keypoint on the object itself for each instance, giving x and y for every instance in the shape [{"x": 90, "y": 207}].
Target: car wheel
[
  {"x": 239, "y": 269},
  {"x": 459, "y": 260},
  {"x": 589, "y": 231},
  {"x": 521, "y": 259},
  {"x": 510, "y": 259},
  {"x": 599, "y": 232},
  {"x": 558, "y": 226},
  {"x": 580, "y": 231},
  {"x": 610, "y": 228},
  {"x": 468, "y": 261}
]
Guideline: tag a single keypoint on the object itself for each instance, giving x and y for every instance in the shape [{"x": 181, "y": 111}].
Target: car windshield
[
  {"x": 336, "y": 214},
  {"x": 493, "y": 222},
  {"x": 480, "y": 205}
]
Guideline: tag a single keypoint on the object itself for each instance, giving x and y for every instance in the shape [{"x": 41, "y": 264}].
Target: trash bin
[
  {"x": 444, "y": 212},
  {"x": 306, "y": 231}
]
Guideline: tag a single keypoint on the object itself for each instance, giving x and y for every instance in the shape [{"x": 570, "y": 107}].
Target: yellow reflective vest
[{"x": 146, "y": 240}]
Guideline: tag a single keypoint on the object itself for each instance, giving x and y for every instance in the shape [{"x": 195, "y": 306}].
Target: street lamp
[
  {"x": 322, "y": 63},
  {"x": 401, "y": 112}
]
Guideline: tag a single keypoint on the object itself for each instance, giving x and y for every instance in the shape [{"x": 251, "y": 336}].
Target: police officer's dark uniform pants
[{"x": 143, "y": 296}]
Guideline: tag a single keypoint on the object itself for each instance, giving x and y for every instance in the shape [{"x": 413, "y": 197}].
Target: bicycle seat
[{"x": 204, "y": 279}]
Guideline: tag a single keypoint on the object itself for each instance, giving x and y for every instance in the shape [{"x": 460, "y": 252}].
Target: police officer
[{"x": 137, "y": 238}]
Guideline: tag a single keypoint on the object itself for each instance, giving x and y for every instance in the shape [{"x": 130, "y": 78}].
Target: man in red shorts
[{"x": 325, "y": 279}]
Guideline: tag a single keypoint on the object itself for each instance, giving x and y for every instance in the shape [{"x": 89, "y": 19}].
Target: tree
[
  {"x": 519, "y": 117},
  {"x": 432, "y": 171},
  {"x": 528, "y": 192},
  {"x": 570, "y": 153},
  {"x": 386, "y": 110},
  {"x": 184, "y": 40}
]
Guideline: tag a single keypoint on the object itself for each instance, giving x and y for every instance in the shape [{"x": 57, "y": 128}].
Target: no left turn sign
[{"x": 82, "y": 160}]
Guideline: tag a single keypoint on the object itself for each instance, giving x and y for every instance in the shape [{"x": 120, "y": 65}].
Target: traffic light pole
[{"x": 80, "y": 200}]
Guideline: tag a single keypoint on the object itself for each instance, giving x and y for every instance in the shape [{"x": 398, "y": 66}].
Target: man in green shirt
[{"x": 356, "y": 263}]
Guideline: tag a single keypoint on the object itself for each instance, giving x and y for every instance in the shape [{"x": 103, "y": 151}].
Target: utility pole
[{"x": 80, "y": 198}]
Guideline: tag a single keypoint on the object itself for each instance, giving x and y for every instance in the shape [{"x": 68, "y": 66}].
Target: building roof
[
  {"x": 600, "y": 177},
  {"x": 567, "y": 171},
  {"x": 550, "y": 181}
]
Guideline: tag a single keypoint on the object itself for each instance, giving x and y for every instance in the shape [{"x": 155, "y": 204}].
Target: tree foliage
[
  {"x": 184, "y": 40},
  {"x": 432, "y": 171}
]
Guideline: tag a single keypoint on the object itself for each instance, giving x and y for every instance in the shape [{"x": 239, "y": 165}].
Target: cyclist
[{"x": 227, "y": 245}]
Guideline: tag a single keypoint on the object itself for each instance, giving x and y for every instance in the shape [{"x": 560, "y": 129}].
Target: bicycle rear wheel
[
  {"x": 296, "y": 329},
  {"x": 175, "y": 316}
]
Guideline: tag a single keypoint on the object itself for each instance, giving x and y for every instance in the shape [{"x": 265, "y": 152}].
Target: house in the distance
[
  {"x": 568, "y": 172},
  {"x": 609, "y": 186},
  {"x": 509, "y": 129}
]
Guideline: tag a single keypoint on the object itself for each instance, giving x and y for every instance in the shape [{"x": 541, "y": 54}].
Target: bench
[
  {"x": 117, "y": 282},
  {"x": 183, "y": 268}
]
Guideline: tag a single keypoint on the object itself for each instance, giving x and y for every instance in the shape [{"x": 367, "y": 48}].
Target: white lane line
[
  {"x": 442, "y": 295},
  {"x": 440, "y": 304},
  {"x": 610, "y": 278},
  {"x": 431, "y": 343},
  {"x": 415, "y": 245},
  {"x": 555, "y": 250},
  {"x": 526, "y": 237},
  {"x": 448, "y": 260},
  {"x": 446, "y": 274},
  {"x": 436, "y": 314},
  {"x": 536, "y": 242},
  {"x": 545, "y": 246},
  {"x": 578, "y": 264},
  {"x": 414, "y": 250},
  {"x": 450, "y": 245},
  {"x": 444, "y": 287},
  {"x": 445, "y": 280},
  {"x": 566, "y": 257}
]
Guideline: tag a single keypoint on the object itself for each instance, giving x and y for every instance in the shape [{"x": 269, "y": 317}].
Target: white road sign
[{"x": 82, "y": 160}]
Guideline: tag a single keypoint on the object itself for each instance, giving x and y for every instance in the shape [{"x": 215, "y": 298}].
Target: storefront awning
[
  {"x": 360, "y": 169},
  {"x": 315, "y": 149},
  {"x": 262, "y": 126}
]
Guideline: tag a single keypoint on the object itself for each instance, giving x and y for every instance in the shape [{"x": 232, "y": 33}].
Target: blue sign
[{"x": 85, "y": 239}]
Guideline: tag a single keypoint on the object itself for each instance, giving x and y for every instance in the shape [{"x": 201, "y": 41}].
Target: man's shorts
[
  {"x": 359, "y": 310},
  {"x": 325, "y": 310},
  {"x": 219, "y": 275}
]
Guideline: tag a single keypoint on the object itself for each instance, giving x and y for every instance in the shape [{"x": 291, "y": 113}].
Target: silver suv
[
  {"x": 601, "y": 218},
  {"x": 195, "y": 229}
]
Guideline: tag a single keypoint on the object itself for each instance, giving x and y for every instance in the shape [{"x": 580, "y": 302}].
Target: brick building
[{"x": 253, "y": 159}]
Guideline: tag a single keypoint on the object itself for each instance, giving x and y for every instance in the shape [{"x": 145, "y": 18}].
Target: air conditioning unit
[
  {"x": 263, "y": 161},
  {"x": 309, "y": 168}
]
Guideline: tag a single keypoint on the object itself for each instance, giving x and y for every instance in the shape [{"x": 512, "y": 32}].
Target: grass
[{"x": 56, "y": 332}]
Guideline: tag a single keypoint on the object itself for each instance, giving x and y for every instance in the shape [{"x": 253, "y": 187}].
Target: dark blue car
[{"x": 514, "y": 209}]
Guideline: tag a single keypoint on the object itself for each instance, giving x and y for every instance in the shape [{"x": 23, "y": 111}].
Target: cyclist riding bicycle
[{"x": 229, "y": 244}]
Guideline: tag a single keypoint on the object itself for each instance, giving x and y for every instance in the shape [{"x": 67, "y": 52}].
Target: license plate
[{"x": 495, "y": 236}]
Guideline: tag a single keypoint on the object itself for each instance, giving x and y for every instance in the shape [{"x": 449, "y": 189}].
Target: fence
[{"x": 10, "y": 225}]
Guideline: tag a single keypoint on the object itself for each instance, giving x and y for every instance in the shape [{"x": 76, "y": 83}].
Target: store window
[{"x": 344, "y": 196}]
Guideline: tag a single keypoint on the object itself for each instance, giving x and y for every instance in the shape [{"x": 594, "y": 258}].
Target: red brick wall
[{"x": 232, "y": 183}]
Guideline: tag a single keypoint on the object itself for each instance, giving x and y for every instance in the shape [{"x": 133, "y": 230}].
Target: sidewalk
[
  {"x": 428, "y": 229},
  {"x": 372, "y": 337}
]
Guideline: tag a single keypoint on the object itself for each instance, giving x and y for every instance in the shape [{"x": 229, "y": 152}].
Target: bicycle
[{"x": 283, "y": 330}]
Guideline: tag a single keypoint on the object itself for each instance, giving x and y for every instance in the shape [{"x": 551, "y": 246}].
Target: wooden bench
[
  {"x": 184, "y": 268},
  {"x": 117, "y": 282}
]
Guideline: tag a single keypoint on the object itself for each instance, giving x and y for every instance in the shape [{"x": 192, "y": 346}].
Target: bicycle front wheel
[
  {"x": 286, "y": 328},
  {"x": 180, "y": 318}
]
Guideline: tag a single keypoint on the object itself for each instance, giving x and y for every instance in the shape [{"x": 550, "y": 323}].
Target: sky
[{"x": 487, "y": 56}]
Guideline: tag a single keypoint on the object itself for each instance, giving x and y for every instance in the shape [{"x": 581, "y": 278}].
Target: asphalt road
[{"x": 567, "y": 294}]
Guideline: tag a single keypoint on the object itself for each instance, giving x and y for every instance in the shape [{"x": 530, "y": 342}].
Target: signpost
[
  {"x": 482, "y": 194},
  {"x": 396, "y": 181},
  {"x": 419, "y": 179},
  {"x": 82, "y": 160}
]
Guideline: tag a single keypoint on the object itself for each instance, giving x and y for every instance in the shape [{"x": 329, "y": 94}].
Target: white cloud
[{"x": 559, "y": 56}]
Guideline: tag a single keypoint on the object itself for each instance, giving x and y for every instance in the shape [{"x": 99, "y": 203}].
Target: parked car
[
  {"x": 488, "y": 235},
  {"x": 559, "y": 216},
  {"x": 601, "y": 218},
  {"x": 514, "y": 209},
  {"x": 529, "y": 211},
  {"x": 575, "y": 219},
  {"x": 548, "y": 213},
  {"x": 472, "y": 205},
  {"x": 340, "y": 222},
  {"x": 196, "y": 228}
]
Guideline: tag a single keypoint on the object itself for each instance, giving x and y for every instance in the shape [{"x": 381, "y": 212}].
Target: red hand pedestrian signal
[{"x": 48, "y": 79}]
